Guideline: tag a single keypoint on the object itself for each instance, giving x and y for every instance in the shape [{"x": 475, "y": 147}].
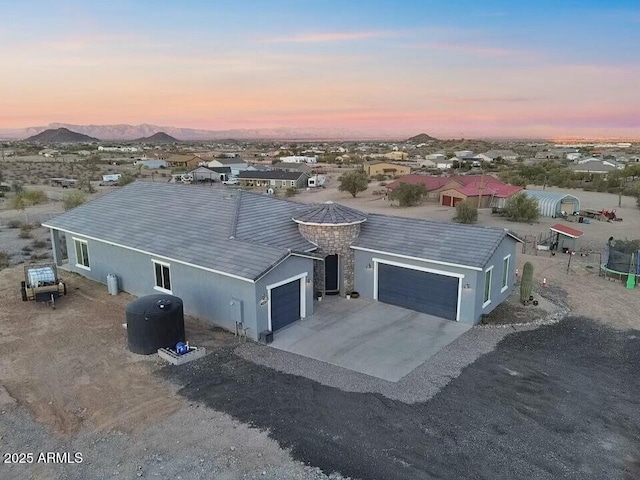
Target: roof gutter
[{"x": 426, "y": 260}]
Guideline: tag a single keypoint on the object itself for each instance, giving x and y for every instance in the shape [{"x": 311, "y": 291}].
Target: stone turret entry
[{"x": 333, "y": 228}]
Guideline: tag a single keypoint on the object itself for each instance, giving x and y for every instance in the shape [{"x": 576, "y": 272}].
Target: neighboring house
[
  {"x": 238, "y": 257},
  {"x": 573, "y": 156},
  {"x": 187, "y": 162},
  {"x": 273, "y": 179},
  {"x": 117, "y": 148},
  {"x": 481, "y": 194},
  {"x": 207, "y": 174},
  {"x": 151, "y": 163},
  {"x": 236, "y": 165},
  {"x": 492, "y": 155},
  {"x": 49, "y": 152},
  {"x": 445, "y": 164},
  {"x": 553, "y": 204},
  {"x": 433, "y": 185},
  {"x": 596, "y": 165},
  {"x": 293, "y": 167},
  {"x": 299, "y": 159},
  {"x": 389, "y": 156},
  {"x": 379, "y": 167},
  {"x": 436, "y": 157},
  {"x": 427, "y": 163}
]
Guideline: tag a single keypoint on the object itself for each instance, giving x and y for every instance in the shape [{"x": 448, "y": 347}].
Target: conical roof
[{"x": 329, "y": 213}]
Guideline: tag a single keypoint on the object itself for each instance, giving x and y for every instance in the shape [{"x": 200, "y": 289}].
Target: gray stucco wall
[
  {"x": 507, "y": 247},
  {"x": 205, "y": 294},
  {"x": 291, "y": 267}
]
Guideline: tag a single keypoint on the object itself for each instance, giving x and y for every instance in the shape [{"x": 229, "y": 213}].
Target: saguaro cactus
[{"x": 526, "y": 284}]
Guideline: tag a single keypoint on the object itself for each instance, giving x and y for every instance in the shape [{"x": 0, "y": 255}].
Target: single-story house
[
  {"x": 273, "y": 179},
  {"x": 435, "y": 156},
  {"x": 236, "y": 165},
  {"x": 552, "y": 204},
  {"x": 188, "y": 162},
  {"x": 210, "y": 174},
  {"x": 565, "y": 238},
  {"x": 293, "y": 167},
  {"x": 596, "y": 165},
  {"x": 492, "y": 155},
  {"x": 151, "y": 163},
  {"x": 379, "y": 167},
  {"x": 480, "y": 195},
  {"x": 299, "y": 159},
  {"x": 445, "y": 164},
  {"x": 239, "y": 257},
  {"x": 427, "y": 163},
  {"x": 434, "y": 185}
]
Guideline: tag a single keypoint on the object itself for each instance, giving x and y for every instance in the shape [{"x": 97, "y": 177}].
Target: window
[
  {"x": 487, "y": 287},
  {"x": 505, "y": 272},
  {"x": 82, "y": 254},
  {"x": 163, "y": 276}
]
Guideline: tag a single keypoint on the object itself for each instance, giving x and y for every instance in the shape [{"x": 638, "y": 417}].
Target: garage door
[
  {"x": 447, "y": 200},
  {"x": 285, "y": 305},
  {"x": 424, "y": 292}
]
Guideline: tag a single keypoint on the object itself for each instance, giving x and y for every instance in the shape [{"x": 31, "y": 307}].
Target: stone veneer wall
[{"x": 332, "y": 240}]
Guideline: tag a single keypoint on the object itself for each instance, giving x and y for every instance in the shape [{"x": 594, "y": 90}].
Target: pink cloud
[{"x": 322, "y": 37}]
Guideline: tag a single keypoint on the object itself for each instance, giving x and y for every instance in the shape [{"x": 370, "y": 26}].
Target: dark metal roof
[{"x": 330, "y": 213}]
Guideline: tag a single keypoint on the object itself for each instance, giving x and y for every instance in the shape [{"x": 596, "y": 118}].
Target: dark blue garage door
[
  {"x": 424, "y": 292},
  {"x": 285, "y": 305}
]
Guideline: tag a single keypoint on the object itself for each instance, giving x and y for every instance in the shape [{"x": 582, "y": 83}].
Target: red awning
[{"x": 565, "y": 230}]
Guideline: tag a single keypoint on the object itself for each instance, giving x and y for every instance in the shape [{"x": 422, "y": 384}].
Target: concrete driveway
[{"x": 367, "y": 336}]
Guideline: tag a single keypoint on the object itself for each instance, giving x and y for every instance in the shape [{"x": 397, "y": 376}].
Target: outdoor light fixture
[
  {"x": 467, "y": 286},
  {"x": 263, "y": 300},
  {"x": 308, "y": 282},
  {"x": 369, "y": 266}
]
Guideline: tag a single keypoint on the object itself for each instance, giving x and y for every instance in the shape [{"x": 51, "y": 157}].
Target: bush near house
[
  {"x": 27, "y": 198},
  {"x": 73, "y": 199},
  {"x": 465, "y": 213},
  {"x": 353, "y": 182},
  {"x": 4, "y": 259},
  {"x": 521, "y": 208},
  {"x": 408, "y": 194}
]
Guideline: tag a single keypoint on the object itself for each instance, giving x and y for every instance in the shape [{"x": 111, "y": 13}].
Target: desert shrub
[
  {"x": 14, "y": 224},
  {"x": 465, "y": 213},
  {"x": 27, "y": 248},
  {"x": 521, "y": 208},
  {"x": 290, "y": 192},
  {"x": 28, "y": 198},
  {"x": 382, "y": 184},
  {"x": 380, "y": 177},
  {"x": 126, "y": 179},
  {"x": 25, "y": 234},
  {"x": 353, "y": 182},
  {"x": 38, "y": 244},
  {"x": 408, "y": 194},
  {"x": 4, "y": 259},
  {"x": 73, "y": 199}
]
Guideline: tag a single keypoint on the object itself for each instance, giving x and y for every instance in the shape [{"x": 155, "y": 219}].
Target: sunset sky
[{"x": 449, "y": 68}]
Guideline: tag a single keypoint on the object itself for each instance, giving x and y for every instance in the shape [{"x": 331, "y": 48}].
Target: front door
[{"x": 331, "y": 280}]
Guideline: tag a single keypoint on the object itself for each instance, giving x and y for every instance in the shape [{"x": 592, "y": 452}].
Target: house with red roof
[{"x": 483, "y": 190}]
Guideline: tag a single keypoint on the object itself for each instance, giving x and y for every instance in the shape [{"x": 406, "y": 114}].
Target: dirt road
[{"x": 68, "y": 383}]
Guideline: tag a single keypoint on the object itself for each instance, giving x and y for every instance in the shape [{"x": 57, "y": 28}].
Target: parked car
[
  {"x": 231, "y": 181},
  {"x": 109, "y": 183}
]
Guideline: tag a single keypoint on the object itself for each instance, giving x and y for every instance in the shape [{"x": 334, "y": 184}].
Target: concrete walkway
[{"x": 370, "y": 337}]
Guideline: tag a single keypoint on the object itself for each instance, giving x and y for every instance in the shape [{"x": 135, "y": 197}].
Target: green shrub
[
  {"x": 353, "y": 182},
  {"x": 290, "y": 192},
  {"x": 126, "y": 179},
  {"x": 73, "y": 199},
  {"x": 408, "y": 194},
  {"x": 465, "y": 213},
  {"x": 27, "y": 198},
  {"x": 521, "y": 208}
]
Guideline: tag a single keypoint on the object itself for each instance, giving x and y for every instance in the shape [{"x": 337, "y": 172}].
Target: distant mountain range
[
  {"x": 422, "y": 138},
  {"x": 125, "y": 132},
  {"x": 160, "y": 137},
  {"x": 60, "y": 135}
]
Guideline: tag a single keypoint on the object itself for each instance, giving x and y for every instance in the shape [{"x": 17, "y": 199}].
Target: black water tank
[{"x": 153, "y": 322}]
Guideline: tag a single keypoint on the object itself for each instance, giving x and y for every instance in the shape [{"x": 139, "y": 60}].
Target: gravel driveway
[{"x": 560, "y": 401}]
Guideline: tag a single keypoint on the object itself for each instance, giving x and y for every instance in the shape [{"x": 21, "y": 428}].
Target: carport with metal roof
[{"x": 552, "y": 204}]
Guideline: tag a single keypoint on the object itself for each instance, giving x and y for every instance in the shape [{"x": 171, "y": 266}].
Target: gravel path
[{"x": 557, "y": 401}]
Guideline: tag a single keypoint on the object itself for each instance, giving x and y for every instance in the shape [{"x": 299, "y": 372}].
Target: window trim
[
  {"x": 505, "y": 273},
  {"x": 155, "y": 276},
  {"x": 485, "y": 291},
  {"x": 75, "y": 247}
]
